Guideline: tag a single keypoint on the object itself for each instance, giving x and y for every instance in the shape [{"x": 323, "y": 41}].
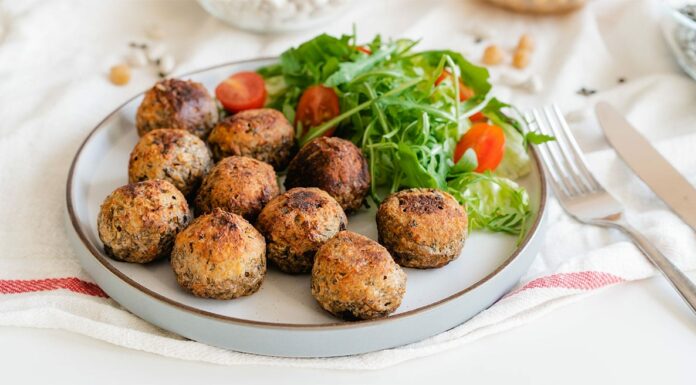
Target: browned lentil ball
[
  {"x": 220, "y": 255},
  {"x": 239, "y": 185},
  {"x": 138, "y": 222},
  {"x": 422, "y": 228},
  {"x": 354, "y": 277},
  {"x": 176, "y": 156},
  {"x": 177, "y": 104},
  {"x": 264, "y": 134},
  {"x": 296, "y": 224},
  {"x": 334, "y": 165}
]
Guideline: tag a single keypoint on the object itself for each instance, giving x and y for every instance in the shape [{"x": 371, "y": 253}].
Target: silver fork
[{"x": 586, "y": 200}]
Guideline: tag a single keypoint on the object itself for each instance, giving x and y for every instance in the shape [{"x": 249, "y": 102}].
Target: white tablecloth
[{"x": 54, "y": 57}]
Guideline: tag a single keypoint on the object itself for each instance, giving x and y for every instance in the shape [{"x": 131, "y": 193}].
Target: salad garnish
[{"x": 422, "y": 118}]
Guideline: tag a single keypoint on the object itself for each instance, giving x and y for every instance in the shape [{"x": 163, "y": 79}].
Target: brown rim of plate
[{"x": 334, "y": 325}]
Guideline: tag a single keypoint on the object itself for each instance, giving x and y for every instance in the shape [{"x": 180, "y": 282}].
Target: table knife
[{"x": 648, "y": 164}]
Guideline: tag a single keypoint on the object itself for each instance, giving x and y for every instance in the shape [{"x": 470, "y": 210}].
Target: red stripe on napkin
[
  {"x": 74, "y": 284},
  {"x": 581, "y": 280}
]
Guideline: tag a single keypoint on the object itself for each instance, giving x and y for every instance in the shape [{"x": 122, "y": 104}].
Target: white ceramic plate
[{"x": 282, "y": 318}]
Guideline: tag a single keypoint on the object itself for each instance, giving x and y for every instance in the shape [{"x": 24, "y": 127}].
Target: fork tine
[
  {"x": 546, "y": 159},
  {"x": 546, "y": 164},
  {"x": 559, "y": 190},
  {"x": 565, "y": 153},
  {"x": 576, "y": 152},
  {"x": 568, "y": 185},
  {"x": 543, "y": 151}
]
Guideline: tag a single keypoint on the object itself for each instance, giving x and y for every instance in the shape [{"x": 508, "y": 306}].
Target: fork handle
[{"x": 674, "y": 275}]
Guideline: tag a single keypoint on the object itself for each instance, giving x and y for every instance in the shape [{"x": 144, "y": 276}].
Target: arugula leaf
[
  {"x": 415, "y": 175},
  {"x": 474, "y": 76},
  {"x": 315, "y": 60},
  {"x": 348, "y": 71},
  {"x": 537, "y": 138},
  {"x": 494, "y": 111}
]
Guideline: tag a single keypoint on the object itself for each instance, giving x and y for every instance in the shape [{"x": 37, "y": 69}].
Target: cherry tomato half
[
  {"x": 318, "y": 104},
  {"x": 364, "y": 49},
  {"x": 478, "y": 117},
  {"x": 443, "y": 75},
  {"x": 465, "y": 93},
  {"x": 242, "y": 91},
  {"x": 488, "y": 142}
]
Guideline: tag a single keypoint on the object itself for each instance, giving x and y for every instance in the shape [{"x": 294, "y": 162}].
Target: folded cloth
[{"x": 53, "y": 62}]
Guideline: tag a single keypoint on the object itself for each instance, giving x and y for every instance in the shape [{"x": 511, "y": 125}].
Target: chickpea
[
  {"x": 492, "y": 55},
  {"x": 525, "y": 43},
  {"x": 120, "y": 74},
  {"x": 521, "y": 58}
]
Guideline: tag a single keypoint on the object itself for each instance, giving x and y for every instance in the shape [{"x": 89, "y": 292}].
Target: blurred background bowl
[
  {"x": 273, "y": 16},
  {"x": 539, "y": 6},
  {"x": 679, "y": 29}
]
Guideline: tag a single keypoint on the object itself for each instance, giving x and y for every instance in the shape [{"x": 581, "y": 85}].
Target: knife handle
[{"x": 674, "y": 275}]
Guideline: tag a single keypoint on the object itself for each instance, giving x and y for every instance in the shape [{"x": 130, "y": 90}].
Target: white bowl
[
  {"x": 680, "y": 33},
  {"x": 271, "y": 16}
]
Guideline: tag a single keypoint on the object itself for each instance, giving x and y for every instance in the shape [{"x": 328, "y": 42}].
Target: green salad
[{"x": 422, "y": 119}]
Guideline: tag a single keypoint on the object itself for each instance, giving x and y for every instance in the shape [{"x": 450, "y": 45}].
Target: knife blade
[{"x": 664, "y": 180}]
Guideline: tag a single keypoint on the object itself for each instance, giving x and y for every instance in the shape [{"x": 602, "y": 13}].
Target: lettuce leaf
[{"x": 493, "y": 203}]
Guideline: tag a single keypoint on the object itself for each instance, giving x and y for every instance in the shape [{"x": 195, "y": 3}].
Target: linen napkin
[{"x": 53, "y": 62}]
